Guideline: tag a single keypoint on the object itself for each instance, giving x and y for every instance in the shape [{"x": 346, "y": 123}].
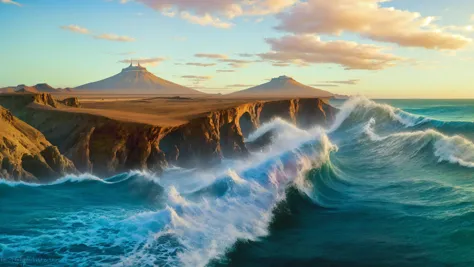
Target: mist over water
[{"x": 382, "y": 186}]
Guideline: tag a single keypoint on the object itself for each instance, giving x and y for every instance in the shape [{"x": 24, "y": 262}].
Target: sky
[{"x": 376, "y": 48}]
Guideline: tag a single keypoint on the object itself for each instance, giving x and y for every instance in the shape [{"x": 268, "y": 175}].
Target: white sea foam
[
  {"x": 363, "y": 106},
  {"x": 201, "y": 214},
  {"x": 72, "y": 178},
  {"x": 207, "y": 228},
  {"x": 453, "y": 149}
]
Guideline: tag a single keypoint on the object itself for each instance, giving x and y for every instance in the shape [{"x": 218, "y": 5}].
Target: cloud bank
[
  {"x": 309, "y": 49},
  {"x": 369, "y": 19},
  {"x": 216, "y": 13}
]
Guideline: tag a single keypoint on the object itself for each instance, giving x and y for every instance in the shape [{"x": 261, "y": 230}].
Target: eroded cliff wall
[
  {"x": 26, "y": 155},
  {"x": 105, "y": 147}
]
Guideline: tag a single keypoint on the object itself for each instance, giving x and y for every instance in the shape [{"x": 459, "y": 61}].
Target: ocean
[{"x": 389, "y": 183}]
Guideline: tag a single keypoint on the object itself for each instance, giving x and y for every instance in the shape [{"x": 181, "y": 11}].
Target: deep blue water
[{"x": 391, "y": 183}]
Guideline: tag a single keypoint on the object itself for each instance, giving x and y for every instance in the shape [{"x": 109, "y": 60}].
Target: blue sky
[{"x": 434, "y": 60}]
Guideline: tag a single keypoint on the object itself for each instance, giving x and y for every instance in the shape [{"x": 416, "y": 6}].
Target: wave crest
[{"x": 453, "y": 149}]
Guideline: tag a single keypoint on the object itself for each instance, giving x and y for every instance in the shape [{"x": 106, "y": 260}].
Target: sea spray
[
  {"x": 452, "y": 149},
  {"x": 377, "y": 180}
]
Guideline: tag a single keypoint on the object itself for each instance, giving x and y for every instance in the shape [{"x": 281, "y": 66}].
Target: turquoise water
[{"x": 390, "y": 183}]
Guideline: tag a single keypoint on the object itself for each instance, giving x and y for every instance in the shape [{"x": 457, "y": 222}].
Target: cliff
[
  {"x": 106, "y": 146},
  {"x": 25, "y": 154}
]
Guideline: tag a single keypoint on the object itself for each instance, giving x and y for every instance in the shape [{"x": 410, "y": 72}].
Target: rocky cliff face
[
  {"x": 25, "y": 154},
  {"x": 105, "y": 147}
]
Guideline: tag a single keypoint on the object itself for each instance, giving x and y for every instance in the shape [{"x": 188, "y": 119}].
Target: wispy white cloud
[
  {"x": 11, "y": 2},
  {"x": 239, "y": 85},
  {"x": 200, "y": 64},
  {"x": 76, "y": 29},
  {"x": 347, "y": 82},
  {"x": 196, "y": 77},
  {"x": 245, "y": 55},
  {"x": 281, "y": 64},
  {"x": 324, "y": 85},
  {"x": 114, "y": 37},
  {"x": 146, "y": 62},
  {"x": 125, "y": 53},
  {"x": 236, "y": 63},
  {"x": 211, "y": 56}
]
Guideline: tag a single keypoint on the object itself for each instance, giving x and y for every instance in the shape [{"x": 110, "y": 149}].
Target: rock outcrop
[
  {"x": 71, "y": 102},
  {"x": 105, "y": 146},
  {"x": 26, "y": 155}
]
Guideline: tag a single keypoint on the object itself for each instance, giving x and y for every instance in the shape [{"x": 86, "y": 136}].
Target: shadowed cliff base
[{"x": 109, "y": 137}]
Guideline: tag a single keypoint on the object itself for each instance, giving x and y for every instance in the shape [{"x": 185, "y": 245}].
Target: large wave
[
  {"x": 195, "y": 216},
  {"x": 399, "y": 128},
  {"x": 189, "y": 217}
]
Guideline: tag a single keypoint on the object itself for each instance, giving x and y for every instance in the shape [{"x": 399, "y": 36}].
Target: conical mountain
[
  {"x": 282, "y": 86},
  {"x": 137, "y": 80}
]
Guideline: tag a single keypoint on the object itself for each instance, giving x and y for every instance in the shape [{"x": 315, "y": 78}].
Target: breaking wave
[{"x": 207, "y": 217}]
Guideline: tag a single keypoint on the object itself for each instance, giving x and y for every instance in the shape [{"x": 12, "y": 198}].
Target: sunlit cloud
[
  {"x": 462, "y": 29},
  {"x": 11, "y": 2},
  {"x": 114, "y": 37},
  {"x": 211, "y": 56},
  {"x": 308, "y": 49},
  {"x": 216, "y": 13},
  {"x": 225, "y": 71},
  {"x": 205, "y": 20},
  {"x": 76, "y": 29},
  {"x": 369, "y": 19}
]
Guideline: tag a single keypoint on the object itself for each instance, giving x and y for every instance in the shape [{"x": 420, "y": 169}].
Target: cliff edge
[
  {"x": 106, "y": 146},
  {"x": 26, "y": 155}
]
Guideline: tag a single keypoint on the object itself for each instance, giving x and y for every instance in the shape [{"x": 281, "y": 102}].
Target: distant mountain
[
  {"x": 282, "y": 86},
  {"x": 137, "y": 79},
  {"x": 26, "y": 89},
  {"x": 7, "y": 90},
  {"x": 45, "y": 88},
  {"x": 39, "y": 88}
]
